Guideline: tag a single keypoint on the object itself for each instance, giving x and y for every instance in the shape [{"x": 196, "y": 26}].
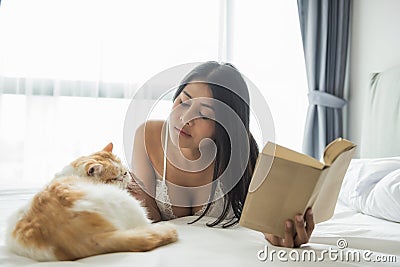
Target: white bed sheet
[{"x": 199, "y": 245}]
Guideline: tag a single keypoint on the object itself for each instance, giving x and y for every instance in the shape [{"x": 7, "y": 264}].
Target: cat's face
[{"x": 103, "y": 167}]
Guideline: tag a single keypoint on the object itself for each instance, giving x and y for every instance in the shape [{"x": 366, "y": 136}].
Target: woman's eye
[
  {"x": 204, "y": 117},
  {"x": 183, "y": 103}
]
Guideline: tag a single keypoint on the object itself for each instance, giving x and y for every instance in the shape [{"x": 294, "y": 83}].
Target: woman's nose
[
  {"x": 185, "y": 119},
  {"x": 188, "y": 116}
]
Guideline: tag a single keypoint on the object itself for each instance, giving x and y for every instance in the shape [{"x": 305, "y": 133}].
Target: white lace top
[{"x": 164, "y": 203}]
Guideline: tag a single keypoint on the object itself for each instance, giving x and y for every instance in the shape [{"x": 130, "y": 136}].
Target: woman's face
[{"x": 192, "y": 116}]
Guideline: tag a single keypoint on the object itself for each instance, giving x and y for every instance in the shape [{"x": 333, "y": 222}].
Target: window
[
  {"x": 101, "y": 52},
  {"x": 266, "y": 44}
]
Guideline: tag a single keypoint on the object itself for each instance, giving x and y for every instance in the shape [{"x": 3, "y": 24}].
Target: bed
[
  {"x": 203, "y": 246},
  {"x": 364, "y": 230}
]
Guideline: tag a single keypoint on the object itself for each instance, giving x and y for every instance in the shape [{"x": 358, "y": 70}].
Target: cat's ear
[
  {"x": 108, "y": 148},
  {"x": 94, "y": 169}
]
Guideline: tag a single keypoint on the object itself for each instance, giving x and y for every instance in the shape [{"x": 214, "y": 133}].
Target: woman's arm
[
  {"x": 295, "y": 235},
  {"x": 144, "y": 176}
]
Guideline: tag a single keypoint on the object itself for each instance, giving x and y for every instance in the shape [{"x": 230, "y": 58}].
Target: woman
[{"x": 182, "y": 173}]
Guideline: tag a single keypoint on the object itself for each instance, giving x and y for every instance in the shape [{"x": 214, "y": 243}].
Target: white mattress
[{"x": 200, "y": 245}]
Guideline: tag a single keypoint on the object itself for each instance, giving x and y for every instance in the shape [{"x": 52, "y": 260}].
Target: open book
[{"x": 286, "y": 183}]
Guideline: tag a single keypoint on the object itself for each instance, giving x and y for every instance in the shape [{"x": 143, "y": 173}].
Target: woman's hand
[
  {"x": 135, "y": 188},
  {"x": 294, "y": 235}
]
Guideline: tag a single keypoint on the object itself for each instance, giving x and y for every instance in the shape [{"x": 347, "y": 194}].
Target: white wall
[{"x": 375, "y": 47}]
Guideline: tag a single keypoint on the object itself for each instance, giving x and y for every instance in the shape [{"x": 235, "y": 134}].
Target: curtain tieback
[{"x": 325, "y": 99}]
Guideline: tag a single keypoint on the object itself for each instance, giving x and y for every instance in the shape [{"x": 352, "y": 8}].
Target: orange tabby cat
[{"x": 85, "y": 211}]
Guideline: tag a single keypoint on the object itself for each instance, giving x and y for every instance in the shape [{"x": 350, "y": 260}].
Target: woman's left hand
[{"x": 295, "y": 235}]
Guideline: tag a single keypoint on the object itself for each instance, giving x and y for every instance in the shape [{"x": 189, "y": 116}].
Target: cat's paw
[{"x": 167, "y": 231}]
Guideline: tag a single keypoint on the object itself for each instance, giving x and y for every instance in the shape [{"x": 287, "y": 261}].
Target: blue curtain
[{"x": 325, "y": 34}]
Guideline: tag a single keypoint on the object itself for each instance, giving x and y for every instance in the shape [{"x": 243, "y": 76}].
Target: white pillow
[
  {"x": 384, "y": 199},
  {"x": 372, "y": 186}
]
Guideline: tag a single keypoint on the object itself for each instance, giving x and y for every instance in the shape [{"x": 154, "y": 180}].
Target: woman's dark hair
[{"x": 228, "y": 86}]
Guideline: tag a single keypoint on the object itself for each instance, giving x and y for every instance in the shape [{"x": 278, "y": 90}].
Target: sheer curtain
[
  {"x": 271, "y": 54},
  {"x": 68, "y": 70}
]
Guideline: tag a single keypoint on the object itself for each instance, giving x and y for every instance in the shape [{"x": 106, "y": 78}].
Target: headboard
[{"x": 380, "y": 136}]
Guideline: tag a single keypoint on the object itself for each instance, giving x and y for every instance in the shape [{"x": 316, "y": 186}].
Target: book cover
[{"x": 286, "y": 182}]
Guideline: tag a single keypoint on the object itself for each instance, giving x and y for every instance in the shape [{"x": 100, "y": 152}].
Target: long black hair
[{"x": 228, "y": 86}]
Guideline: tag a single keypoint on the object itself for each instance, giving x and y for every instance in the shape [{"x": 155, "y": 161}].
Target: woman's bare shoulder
[
  {"x": 152, "y": 128},
  {"x": 150, "y": 131}
]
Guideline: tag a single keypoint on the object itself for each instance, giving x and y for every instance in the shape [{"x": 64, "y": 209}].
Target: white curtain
[
  {"x": 271, "y": 54},
  {"x": 68, "y": 70},
  {"x": 41, "y": 134}
]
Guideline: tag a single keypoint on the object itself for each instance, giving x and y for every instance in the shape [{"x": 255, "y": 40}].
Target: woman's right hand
[{"x": 296, "y": 233}]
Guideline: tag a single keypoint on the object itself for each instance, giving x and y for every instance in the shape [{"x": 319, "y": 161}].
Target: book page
[
  {"x": 325, "y": 202},
  {"x": 284, "y": 192},
  {"x": 335, "y": 148},
  {"x": 291, "y": 155}
]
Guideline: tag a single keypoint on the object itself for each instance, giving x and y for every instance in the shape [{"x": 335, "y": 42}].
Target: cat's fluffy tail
[{"x": 137, "y": 240}]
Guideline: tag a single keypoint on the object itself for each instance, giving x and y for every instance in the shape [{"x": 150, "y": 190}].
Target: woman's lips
[{"x": 181, "y": 132}]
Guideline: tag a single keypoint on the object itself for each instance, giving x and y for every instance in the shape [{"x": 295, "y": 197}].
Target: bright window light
[{"x": 76, "y": 44}]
